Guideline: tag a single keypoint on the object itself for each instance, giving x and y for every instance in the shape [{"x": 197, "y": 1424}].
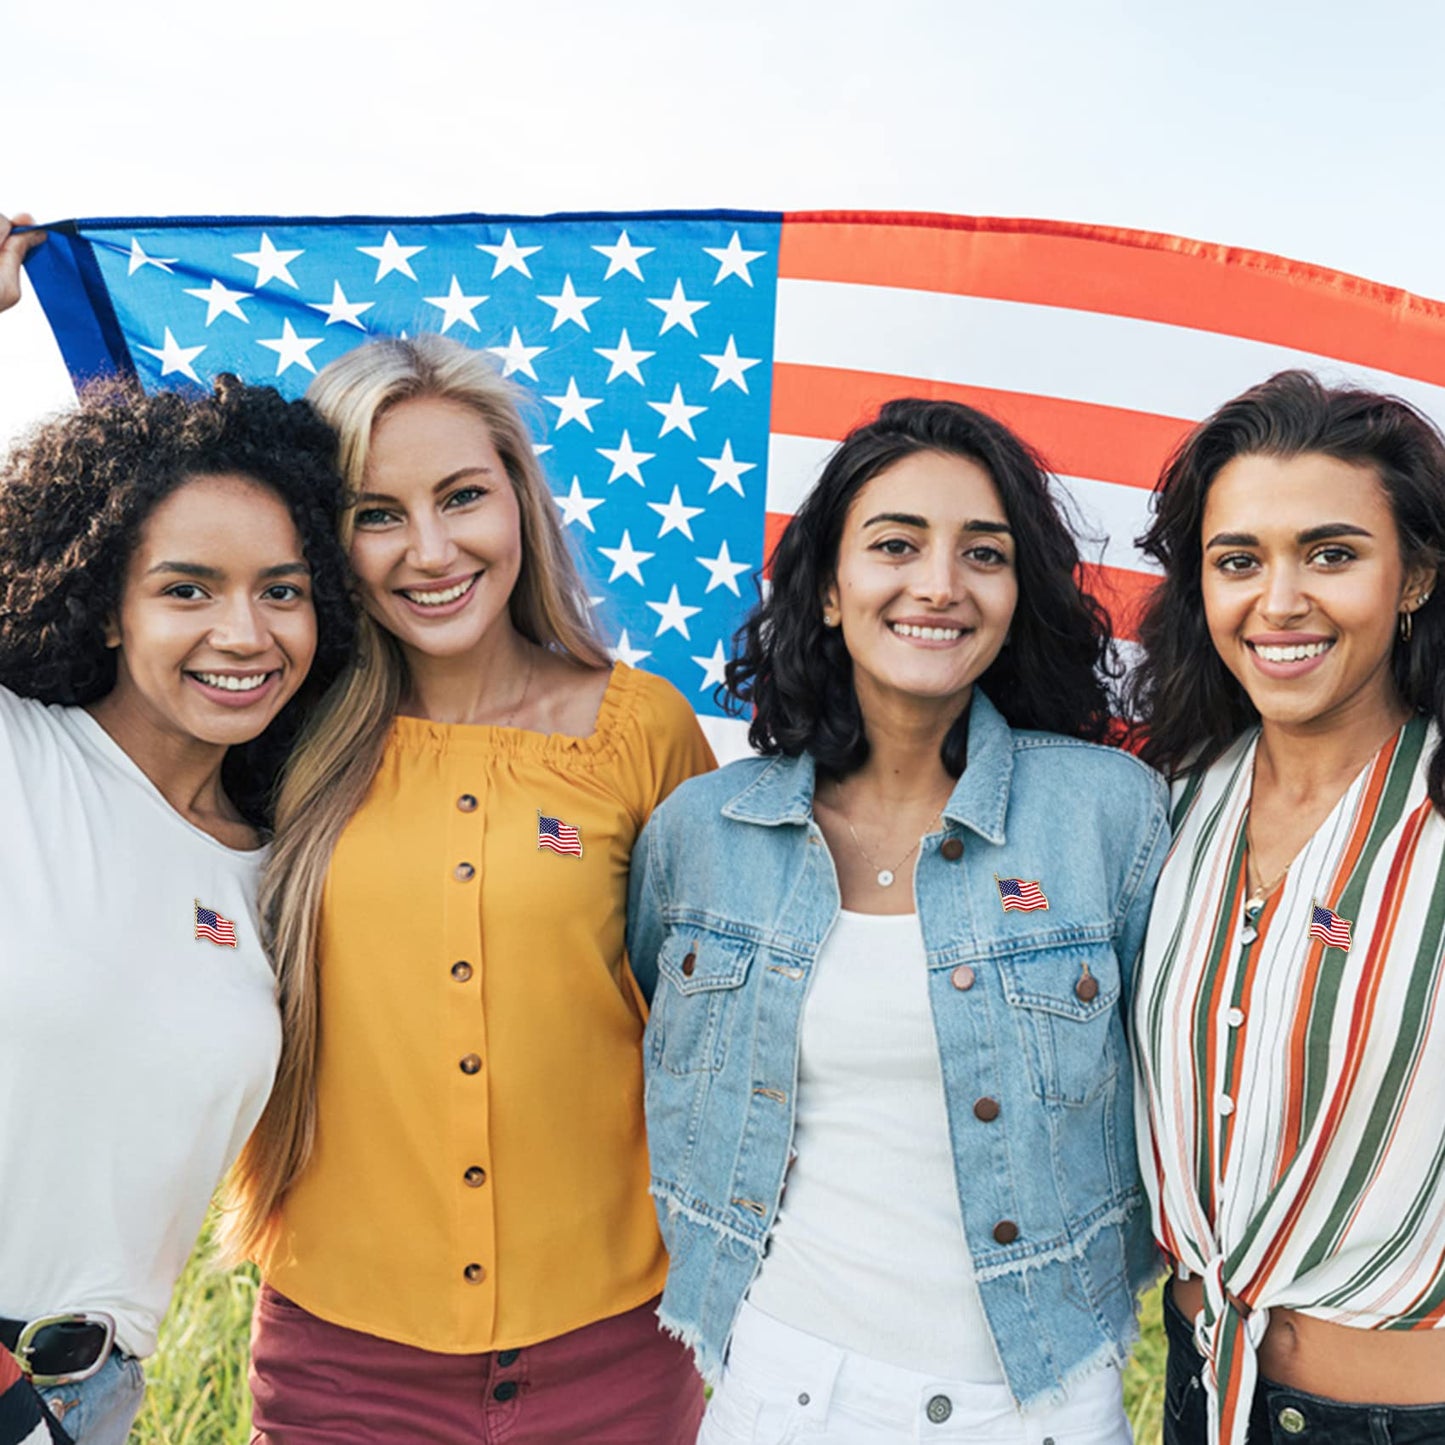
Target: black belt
[{"x": 58, "y": 1349}]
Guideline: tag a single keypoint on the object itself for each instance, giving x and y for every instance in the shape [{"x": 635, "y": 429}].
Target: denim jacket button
[
  {"x": 1005, "y": 1231},
  {"x": 689, "y": 965},
  {"x": 951, "y": 849},
  {"x": 962, "y": 977},
  {"x": 1087, "y": 989},
  {"x": 986, "y": 1109}
]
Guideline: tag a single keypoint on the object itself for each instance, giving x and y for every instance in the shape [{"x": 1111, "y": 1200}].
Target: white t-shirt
[
  {"x": 135, "y": 1057},
  {"x": 868, "y": 1251}
]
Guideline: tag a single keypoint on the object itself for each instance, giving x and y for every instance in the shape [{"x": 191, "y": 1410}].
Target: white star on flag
[
  {"x": 391, "y": 256},
  {"x": 270, "y": 264},
  {"x": 676, "y": 517},
  {"x": 339, "y": 309},
  {"x": 626, "y": 652},
  {"x": 292, "y": 350},
  {"x": 624, "y": 256},
  {"x": 515, "y": 356},
  {"x": 573, "y": 406},
  {"x": 730, "y": 366},
  {"x": 138, "y": 258},
  {"x": 676, "y": 414},
  {"x": 577, "y": 508},
  {"x": 220, "y": 301},
  {"x": 457, "y": 306},
  {"x": 712, "y": 668},
  {"x": 676, "y": 309},
  {"x": 569, "y": 306},
  {"x": 625, "y": 358},
  {"x": 726, "y": 470},
  {"x": 723, "y": 571},
  {"x": 509, "y": 256},
  {"x": 626, "y": 559},
  {"x": 175, "y": 357},
  {"x": 733, "y": 260},
  {"x": 672, "y": 615},
  {"x": 626, "y": 462}
]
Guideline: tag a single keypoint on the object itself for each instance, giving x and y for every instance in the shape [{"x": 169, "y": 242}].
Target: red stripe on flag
[
  {"x": 1124, "y": 593},
  {"x": 1142, "y": 274},
  {"x": 1076, "y": 439}
]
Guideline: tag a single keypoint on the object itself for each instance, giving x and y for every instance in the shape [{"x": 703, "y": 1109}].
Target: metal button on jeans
[
  {"x": 939, "y": 1408},
  {"x": 1291, "y": 1421},
  {"x": 507, "y": 1390},
  {"x": 506, "y": 1358}
]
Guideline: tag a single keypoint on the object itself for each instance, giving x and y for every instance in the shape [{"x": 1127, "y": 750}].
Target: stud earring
[{"x": 828, "y": 619}]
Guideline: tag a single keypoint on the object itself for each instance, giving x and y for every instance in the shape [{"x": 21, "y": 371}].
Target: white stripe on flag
[{"x": 1086, "y": 356}]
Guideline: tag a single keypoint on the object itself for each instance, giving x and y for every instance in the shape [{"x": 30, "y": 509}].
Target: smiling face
[
  {"x": 925, "y": 586},
  {"x": 215, "y": 629},
  {"x": 1303, "y": 584},
  {"x": 438, "y": 541}
]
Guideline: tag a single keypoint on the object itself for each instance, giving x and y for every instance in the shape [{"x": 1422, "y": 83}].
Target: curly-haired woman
[
  {"x": 1290, "y": 1010},
  {"x": 169, "y": 575},
  {"x": 892, "y": 960}
]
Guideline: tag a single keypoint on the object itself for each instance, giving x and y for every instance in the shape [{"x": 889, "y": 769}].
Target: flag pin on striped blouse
[
  {"x": 210, "y": 924},
  {"x": 560, "y": 837},
  {"x": 1331, "y": 930},
  {"x": 1020, "y": 895}
]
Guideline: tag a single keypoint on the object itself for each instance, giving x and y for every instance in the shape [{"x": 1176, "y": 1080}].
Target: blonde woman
[{"x": 448, "y": 1191}]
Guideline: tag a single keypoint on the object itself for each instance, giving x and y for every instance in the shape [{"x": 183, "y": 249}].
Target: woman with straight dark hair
[
  {"x": 1290, "y": 1010},
  {"x": 890, "y": 961}
]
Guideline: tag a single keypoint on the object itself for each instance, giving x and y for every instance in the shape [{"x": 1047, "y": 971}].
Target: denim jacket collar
[{"x": 783, "y": 791}]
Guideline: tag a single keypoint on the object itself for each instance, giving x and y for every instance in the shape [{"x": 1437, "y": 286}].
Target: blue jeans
[
  {"x": 99, "y": 1411},
  {"x": 1281, "y": 1416}
]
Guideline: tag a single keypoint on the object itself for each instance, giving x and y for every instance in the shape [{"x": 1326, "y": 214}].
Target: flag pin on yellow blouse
[{"x": 560, "y": 837}]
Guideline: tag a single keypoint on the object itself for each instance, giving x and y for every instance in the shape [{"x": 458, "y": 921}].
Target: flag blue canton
[{"x": 646, "y": 343}]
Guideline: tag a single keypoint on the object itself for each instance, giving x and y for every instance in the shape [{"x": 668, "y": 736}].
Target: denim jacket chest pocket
[
  {"x": 700, "y": 973},
  {"x": 1065, "y": 1001}
]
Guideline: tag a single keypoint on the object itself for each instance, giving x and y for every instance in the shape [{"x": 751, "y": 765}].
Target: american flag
[
  {"x": 1331, "y": 930},
  {"x": 691, "y": 370},
  {"x": 560, "y": 837},
  {"x": 1021, "y": 895},
  {"x": 210, "y": 924}
]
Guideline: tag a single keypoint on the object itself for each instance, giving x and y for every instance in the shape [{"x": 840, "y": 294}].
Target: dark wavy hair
[
  {"x": 1186, "y": 703},
  {"x": 74, "y": 496},
  {"x": 797, "y": 675}
]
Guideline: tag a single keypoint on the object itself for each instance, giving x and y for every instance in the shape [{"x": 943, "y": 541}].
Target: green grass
[{"x": 196, "y": 1382}]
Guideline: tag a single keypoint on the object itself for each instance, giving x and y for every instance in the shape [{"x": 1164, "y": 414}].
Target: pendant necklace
[
  {"x": 1259, "y": 891},
  {"x": 885, "y": 876}
]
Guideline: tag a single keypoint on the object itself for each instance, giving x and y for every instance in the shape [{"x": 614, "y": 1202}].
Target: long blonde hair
[{"x": 333, "y": 766}]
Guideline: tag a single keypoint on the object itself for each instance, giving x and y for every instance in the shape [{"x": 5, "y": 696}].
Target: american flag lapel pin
[
  {"x": 210, "y": 924},
  {"x": 560, "y": 837},
  {"x": 1327, "y": 925},
  {"x": 1020, "y": 895}
]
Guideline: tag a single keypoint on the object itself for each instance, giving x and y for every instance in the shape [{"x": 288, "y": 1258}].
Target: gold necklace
[
  {"x": 506, "y": 722},
  {"x": 885, "y": 876},
  {"x": 1258, "y": 892}
]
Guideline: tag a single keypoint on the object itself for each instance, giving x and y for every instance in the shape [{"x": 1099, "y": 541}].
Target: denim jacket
[{"x": 733, "y": 892}]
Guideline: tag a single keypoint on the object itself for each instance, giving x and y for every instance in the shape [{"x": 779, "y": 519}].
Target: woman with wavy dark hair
[
  {"x": 169, "y": 575},
  {"x": 1288, "y": 1020},
  {"x": 890, "y": 960}
]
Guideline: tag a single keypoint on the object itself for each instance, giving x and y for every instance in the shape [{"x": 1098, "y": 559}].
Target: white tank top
[{"x": 868, "y": 1251}]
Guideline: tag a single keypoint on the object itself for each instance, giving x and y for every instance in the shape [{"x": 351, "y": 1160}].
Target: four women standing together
[{"x": 894, "y": 964}]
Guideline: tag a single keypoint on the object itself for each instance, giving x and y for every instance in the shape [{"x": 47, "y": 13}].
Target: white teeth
[
  {"x": 927, "y": 634},
  {"x": 227, "y": 682},
  {"x": 1297, "y": 653},
  {"x": 437, "y": 599}
]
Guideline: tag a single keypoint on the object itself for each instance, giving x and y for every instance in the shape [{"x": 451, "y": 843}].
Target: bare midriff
[{"x": 1340, "y": 1362}]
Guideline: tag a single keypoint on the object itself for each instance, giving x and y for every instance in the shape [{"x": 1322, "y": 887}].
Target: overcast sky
[{"x": 1313, "y": 130}]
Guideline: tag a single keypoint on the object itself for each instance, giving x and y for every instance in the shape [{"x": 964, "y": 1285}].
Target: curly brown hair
[{"x": 74, "y": 496}]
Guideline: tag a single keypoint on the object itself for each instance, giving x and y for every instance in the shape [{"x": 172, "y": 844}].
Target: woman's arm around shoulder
[{"x": 1148, "y": 846}]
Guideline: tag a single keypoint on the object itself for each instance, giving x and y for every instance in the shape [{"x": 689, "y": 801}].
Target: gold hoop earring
[{"x": 1407, "y": 626}]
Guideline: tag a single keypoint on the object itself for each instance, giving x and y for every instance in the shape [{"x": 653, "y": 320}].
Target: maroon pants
[{"x": 620, "y": 1381}]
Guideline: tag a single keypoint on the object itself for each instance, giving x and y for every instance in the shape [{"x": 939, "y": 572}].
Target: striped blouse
[{"x": 1290, "y": 1100}]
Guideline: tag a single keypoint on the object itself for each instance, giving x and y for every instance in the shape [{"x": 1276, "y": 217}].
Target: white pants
[{"x": 781, "y": 1385}]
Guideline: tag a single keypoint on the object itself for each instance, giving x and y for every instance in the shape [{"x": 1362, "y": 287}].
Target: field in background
[{"x": 197, "y": 1381}]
